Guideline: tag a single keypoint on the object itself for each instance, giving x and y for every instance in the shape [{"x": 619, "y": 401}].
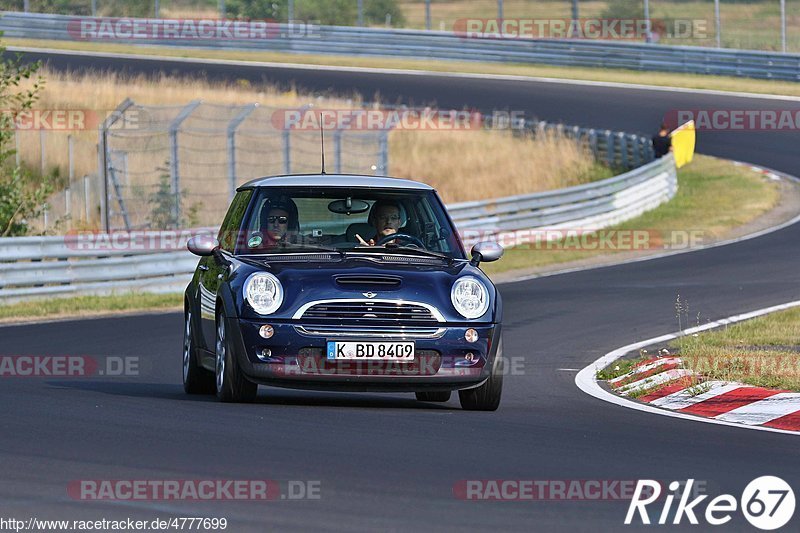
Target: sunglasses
[{"x": 279, "y": 220}]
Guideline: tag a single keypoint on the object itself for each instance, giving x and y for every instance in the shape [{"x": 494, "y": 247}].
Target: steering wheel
[{"x": 403, "y": 236}]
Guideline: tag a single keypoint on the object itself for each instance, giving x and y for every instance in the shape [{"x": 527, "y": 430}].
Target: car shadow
[{"x": 266, "y": 395}]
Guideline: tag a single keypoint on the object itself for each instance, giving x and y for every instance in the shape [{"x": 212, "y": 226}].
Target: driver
[{"x": 385, "y": 218}]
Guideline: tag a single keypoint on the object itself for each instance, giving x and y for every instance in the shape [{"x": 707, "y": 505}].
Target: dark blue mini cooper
[{"x": 340, "y": 282}]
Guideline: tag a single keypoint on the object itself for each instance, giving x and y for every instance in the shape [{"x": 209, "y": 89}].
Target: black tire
[
  {"x": 230, "y": 383},
  {"x": 196, "y": 380},
  {"x": 487, "y": 396},
  {"x": 435, "y": 396}
]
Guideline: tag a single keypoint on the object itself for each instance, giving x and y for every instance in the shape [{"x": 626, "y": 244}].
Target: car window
[
  {"x": 229, "y": 230},
  {"x": 347, "y": 218}
]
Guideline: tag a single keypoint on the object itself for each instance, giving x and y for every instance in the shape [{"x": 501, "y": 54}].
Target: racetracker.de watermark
[
  {"x": 358, "y": 119},
  {"x": 550, "y": 489},
  {"x": 736, "y": 119},
  {"x": 133, "y": 29},
  {"x": 68, "y": 366},
  {"x": 193, "y": 489},
  {"x": 588, "y": 240},
  {"x": 583, "y": 28}
]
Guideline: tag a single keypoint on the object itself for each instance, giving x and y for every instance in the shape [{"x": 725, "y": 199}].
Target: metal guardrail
[
  {"x": 53, "y": 266},
  {"x": 451, "y": 46}
]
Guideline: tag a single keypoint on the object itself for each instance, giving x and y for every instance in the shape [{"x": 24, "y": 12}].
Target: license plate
[{"x": 371, "y": 351}]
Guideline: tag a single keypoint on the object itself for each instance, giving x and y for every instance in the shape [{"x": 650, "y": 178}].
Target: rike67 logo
[{"x": 767, "y": 503}]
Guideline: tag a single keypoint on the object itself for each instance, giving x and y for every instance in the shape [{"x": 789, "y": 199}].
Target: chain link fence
[{"x": 178, "y": 166}]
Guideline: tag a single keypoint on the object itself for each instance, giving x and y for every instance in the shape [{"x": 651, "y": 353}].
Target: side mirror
[
  {"x": 202, "y": 245},
  {"x": 486, "y": 251}
]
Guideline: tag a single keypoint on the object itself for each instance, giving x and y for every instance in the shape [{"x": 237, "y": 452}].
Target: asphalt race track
[{"x": 386, "y": 462}]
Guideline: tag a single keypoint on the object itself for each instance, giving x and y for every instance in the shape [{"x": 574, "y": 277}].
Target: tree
[{"x": 22, "y": 193}]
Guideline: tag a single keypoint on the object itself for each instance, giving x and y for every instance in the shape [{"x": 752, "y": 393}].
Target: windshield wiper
[
  {"x": 420, "y": 251},
  {"x": 307, "y": 247}
]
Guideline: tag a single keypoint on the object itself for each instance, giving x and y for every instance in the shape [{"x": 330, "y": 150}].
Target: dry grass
[
  {"x": 490, "y": 164},
  {"x": 764, "y": 351},
  {"x": 479, "y": 164}
]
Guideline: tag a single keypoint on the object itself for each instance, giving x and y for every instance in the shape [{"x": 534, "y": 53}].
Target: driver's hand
[{"x": 365, "y": 243}]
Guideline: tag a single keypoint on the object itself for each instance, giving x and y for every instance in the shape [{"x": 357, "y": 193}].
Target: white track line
[
  {"x": 586, "y": 379},
  {"x": 765, "y": 410}
]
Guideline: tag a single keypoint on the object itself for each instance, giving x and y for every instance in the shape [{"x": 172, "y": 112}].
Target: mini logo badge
[{"x": 370, "y": 294}]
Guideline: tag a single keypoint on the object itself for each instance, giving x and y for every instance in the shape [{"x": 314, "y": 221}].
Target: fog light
[
  {"x": 266, "y": 331},
  {"x": 264, "y": 354},
  {"x": 471, "y": 335},
  {"x": 470, "y": 357}
]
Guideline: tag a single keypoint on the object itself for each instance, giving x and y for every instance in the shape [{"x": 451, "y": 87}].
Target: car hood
[{"x": 362, "y": 278}]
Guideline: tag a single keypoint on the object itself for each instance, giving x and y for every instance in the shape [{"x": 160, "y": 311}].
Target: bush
[
  {"x": 22, "y": 193},
  {"x": 107, "y": 8},
  {"x": 327, "y": 12}
]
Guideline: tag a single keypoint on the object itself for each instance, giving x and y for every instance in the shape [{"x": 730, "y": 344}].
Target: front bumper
[{"x": 444, "y": 360}]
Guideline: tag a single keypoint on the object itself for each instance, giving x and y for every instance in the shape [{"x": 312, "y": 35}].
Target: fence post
[
  {"x": 232, "y": 125},
  {"x": 16, "y": 146},
  {"x": 102, "y": 157},
  {"x": 287, "y": 152},
  {"x": 42, "y": 152},
  {"x": 86, "y": 198},
  {"x": 337, "y": 149},
  {"x": 174, "y": 168},
  {"x": 383, "y": 154}
]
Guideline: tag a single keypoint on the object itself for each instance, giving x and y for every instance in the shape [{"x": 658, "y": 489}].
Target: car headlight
[
  {"x": 263, "y": 292},
  {"x": 470, "y": 297}
]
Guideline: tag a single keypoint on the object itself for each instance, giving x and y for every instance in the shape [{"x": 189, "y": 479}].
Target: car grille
[
  {"x": 375, "y": 332},
  {"x": 370, "y": 311}
]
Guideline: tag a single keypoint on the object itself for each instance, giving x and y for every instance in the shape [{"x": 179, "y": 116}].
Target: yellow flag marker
[{"x": 683, "y": 139}]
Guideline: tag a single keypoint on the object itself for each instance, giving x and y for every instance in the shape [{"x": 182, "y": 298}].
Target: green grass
[
  {"x": 713, "y": 198},
  {"x": 619, "y": 368},
  {"x": 763, "y": 352},
  {"x": 689, "y": 81},
  {"x": 88, "y": 305}
]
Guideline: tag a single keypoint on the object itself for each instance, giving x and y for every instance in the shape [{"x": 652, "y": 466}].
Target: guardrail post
[
  {"x": 609, "y": 148},
  {"x": 103, "y": 159},
  {"x": 592, "y": 137},
  {"x": 174, "y": 167},
  {"x": 636, "y": 151},
  {"x": 623, "y": 150},
  {"x": 232, "y": 125}
]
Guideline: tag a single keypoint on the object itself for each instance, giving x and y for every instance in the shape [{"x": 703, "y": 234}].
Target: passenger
[{"x": 279, "y": 222}]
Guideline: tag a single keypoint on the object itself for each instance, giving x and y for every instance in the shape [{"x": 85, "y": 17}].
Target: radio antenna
[{"x": 322, "y": 142}]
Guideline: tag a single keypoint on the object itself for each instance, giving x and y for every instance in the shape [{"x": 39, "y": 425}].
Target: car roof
[{"x": 335, "y": 180}]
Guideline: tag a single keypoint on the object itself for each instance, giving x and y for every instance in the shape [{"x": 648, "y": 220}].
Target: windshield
[{"x": 287, "y": 220}]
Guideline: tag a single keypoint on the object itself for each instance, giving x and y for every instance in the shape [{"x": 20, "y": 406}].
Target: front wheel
[
  {"x": 196, "y": 380},
  {"x": 232, "y": 385},
  {"x": 487, "y": 396}
]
